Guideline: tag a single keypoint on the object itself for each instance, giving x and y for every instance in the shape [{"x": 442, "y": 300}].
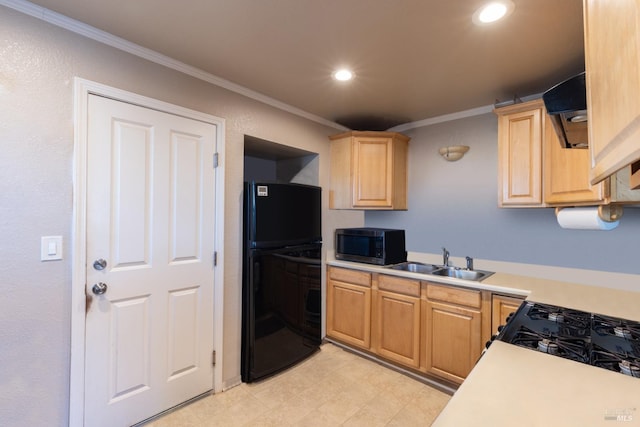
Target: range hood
[{"x": 566, "y": 105}]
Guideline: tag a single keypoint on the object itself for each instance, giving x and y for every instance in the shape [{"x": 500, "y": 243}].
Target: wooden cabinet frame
[
  {"x": 501, "y": 307},
  {"x": 349, "y": 306},
  {"x": 520, "y": 155},
  {"x": 535, "y": 171},
  {"x": 457, "y": 324},
  {"x": 369, "y": 171},
  {"x": 612, "y": 61},
  {"x": 396, "y": 320},
  {"x": 430, "y": 328}
]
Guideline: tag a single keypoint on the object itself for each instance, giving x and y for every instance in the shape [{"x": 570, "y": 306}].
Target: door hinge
[
  {"x": 215, "y": 160},
  {"x": 213, "y": 361},
  {"x": 215, "y": 258}
]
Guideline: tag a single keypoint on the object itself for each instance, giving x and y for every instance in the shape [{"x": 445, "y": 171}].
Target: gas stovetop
[{"x": 602, "y": 341}]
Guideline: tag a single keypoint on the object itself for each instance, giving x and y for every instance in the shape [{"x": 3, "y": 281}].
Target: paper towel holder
[{"x": 607, "y": 213}]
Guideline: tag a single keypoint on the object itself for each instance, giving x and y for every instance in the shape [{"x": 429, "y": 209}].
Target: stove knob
[
  {"x": 510, "y": 316},
  {"x": 493, "y": 337},
  {"x": 500, "y": 328}
]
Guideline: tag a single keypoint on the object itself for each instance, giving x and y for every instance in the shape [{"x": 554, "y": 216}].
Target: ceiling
[{"x": 413, "y": 59}]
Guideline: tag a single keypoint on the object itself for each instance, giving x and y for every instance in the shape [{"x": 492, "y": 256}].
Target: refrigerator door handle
[{"x": 255, "y": 276}]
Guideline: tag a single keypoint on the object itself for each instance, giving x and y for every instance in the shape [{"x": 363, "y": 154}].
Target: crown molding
[
  {"x": 108, "y": 39},
  {"x": 455, "y": 116},
  {"x": 444, "y": 118}
]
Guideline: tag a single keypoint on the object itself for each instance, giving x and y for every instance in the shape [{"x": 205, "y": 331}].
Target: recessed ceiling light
[
  {"x": 492, "y": 12},
  {"x": 343, "y": 75}
]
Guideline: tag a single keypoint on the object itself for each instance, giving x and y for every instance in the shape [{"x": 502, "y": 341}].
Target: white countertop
[
  {"x": 593, "y": 299},
  {"x": 514, "y": 386}
]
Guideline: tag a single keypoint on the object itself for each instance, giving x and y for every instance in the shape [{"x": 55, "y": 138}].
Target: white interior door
[{"x": 150, "y": 218}]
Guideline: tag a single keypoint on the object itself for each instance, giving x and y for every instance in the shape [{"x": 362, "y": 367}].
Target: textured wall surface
[
  {"x": 455, "y": 204},
  {"x": 451, "y": 204},
  {"x": 37, "y": 65}
]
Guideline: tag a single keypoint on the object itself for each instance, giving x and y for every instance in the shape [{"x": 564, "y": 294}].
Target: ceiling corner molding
[
  {"x": 478, "y": 111},
  {"x": 108, "y": 39},
  {"x": 444, "y": 118}
]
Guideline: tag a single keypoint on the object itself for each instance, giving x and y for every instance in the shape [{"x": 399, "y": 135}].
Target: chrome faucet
[
  {"x": 445, "y": 257},
  {"x": 469, "y": 263}
]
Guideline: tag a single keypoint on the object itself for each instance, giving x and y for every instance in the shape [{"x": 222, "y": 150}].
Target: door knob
[
  {"x": 99, "y": 264},
  {"x": 99, "y": 288}
]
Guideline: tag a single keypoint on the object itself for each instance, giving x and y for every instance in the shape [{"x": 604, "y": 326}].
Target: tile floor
[{"x": 332, "y": 388}]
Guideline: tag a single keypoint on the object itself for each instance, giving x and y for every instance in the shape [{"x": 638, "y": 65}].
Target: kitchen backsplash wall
[{"x": 454, "y": 204}]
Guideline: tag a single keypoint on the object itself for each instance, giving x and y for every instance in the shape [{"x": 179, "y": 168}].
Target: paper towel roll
[{"x": 583, "y": 219}]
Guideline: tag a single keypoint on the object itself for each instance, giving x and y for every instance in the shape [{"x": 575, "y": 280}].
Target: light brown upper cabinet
[
  {"x": 566, "y": 173},
  {"x": 520, "y": 154},
  {"x": 368, "y": 171},
  {"x": 612, "y": 60},
  {"x": 534, "y": 170}
]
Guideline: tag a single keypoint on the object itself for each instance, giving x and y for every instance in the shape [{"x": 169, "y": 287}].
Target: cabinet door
[
  {"x": 566, "y": 173},
  {"x": 520, "y": 155},
  {"x": 349, "y": 310},
  {"x": 612, "y": 60},
  {"x": 368, "y": 171},
  {"x": 453, "y": 340},
  {"x": 373, "y": 172},
  {"x": 397, "y": 329},
  {"x": 501, "y": 307}
]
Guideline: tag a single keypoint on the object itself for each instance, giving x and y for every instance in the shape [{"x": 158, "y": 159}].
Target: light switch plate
[{"x": 51, "y": 248}]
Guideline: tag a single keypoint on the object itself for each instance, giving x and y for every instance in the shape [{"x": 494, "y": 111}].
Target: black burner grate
[
  {"x": 567, "y": 347},
  {"x": 602, "y": 341}
]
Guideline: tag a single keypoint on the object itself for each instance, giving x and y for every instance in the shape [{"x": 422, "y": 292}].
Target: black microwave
[{"x": 380, "y": 246}]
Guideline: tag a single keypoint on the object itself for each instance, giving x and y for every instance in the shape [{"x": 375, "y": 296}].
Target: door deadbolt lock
[
  {"x": 99, "y": 288},
  {"x": 99, "y": 264}
]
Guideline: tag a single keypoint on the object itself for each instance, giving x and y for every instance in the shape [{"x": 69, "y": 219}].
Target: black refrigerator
[{"x": 281, "y": 296}]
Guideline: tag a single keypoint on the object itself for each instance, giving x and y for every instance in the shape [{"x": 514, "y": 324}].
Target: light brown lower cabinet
[
  {"x": 396, "y": 314},
  {"x": 501, "y": 307},
  {"x": 349, "y": 306},
  {"x": 456, "y": 328},
  {"x": 427, "y": 327}
]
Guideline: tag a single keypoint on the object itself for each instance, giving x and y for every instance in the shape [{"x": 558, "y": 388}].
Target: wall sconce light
[{"x": 453, "y": 152}]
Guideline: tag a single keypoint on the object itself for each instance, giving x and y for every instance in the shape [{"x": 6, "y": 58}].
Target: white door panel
[
  {"x": 150, "y": 215},
  {"x": 186, "y": 218}
]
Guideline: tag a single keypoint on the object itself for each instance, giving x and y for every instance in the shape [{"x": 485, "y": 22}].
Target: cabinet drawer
[
  {"x": 454, "y": 295},
  {"x": 399, "y": 285},
  {"x": 350, "y": 276}
]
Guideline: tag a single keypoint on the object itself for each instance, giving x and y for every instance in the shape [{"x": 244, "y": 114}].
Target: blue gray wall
[{"x": 455, "y": 204}]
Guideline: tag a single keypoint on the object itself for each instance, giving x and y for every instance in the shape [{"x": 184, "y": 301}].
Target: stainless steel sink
[
  {"x": 459, "y": 273},
  {"x": 416, "y": 267},
  {"x": 439, "y": 270}
]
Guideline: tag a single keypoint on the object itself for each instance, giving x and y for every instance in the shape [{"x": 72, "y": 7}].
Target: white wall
[
  {"x": 455, "y": 204},
  {"x": 37, "y": 65}
]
